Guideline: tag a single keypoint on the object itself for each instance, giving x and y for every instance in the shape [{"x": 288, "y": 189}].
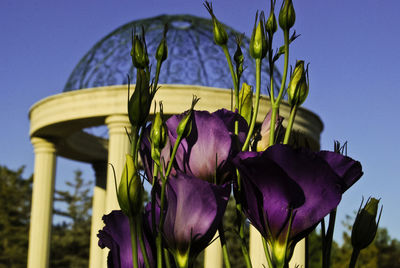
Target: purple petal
[
  {"x": 229, "y": 119},
  {"x": 195, "y": 209},
  {"x": 349, "y": 170},
  {"x": 116, "y": 236},
  {"x": 266, "y": 183},
  {"x": 206, "y": 150},
  {"x": 318, "y": 181}
]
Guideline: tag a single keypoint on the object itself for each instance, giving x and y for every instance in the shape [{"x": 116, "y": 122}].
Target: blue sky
[{"x": 352, "y": 47}]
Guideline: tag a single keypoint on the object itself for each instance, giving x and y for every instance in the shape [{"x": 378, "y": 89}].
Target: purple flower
[
  {"x": 207, "y": 151},
  {"x": 116, "y": 236},
  {"x": 283, "y": 186},
  {"x": 194, "y": 211}
]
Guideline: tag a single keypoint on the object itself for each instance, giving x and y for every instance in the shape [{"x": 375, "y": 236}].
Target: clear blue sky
[{"x": 353, "y": 48}]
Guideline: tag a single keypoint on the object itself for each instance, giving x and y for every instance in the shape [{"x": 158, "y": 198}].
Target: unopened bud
[
  {"x": 258, "y": 41},
  {"x": 162, "y": 49},
  {"x": 139, "y": 103},
  {"x": 139, "y": 51},
  {"x": 263, "y": 143},
  {"x": 130, "y": 190},
  {"x": 220, "y": 35},
  {"x": 185, "y": 125},
  {"x": 298, "y": 85},
  {"x": 271, "y": 26},
  {"x": 246, "y": 102},
  {"x": 238, "y": 56},
  {"x": 365, "y": 225},
  {"x": 158, "y": 137},
  {"x": 287, "y": 15}
]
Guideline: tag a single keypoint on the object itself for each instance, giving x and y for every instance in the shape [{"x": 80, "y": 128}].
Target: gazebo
[{"x": 95, "y": 96}]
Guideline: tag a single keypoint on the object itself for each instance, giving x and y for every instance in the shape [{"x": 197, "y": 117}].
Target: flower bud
[
  {"x": 130, "y": 190},
  {"x": 162, "y": 49},
  {"x": 246, "y": 102},
  {"x": 158, "y": 137},
  {"x": 220, "y": 35},
  {"x": 238, "y": 56},
  {"x": 258, "y": 41},
  {"x": 365, "y": 225},
  {"x": 263, "y": 142},
  {"x": 271, "y": 25},
  {"x": 185, "y": 125},
  {"x": 139, "y": 103},
  {"x": 287, "y": 15},
  {"x": 139, "y": 51},
  {"x": 298, "y": 85}
]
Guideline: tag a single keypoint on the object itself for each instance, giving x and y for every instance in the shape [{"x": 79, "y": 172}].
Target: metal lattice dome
[{"x": 193, "y": 57}]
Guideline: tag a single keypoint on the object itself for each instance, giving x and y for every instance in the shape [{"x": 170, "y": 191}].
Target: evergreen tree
[
  {"x": 15, "y": 197},
  {"x": 71, "y": 238}
]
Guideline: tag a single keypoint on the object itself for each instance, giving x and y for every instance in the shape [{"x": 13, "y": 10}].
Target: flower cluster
[{"x": 192, "y": 160}]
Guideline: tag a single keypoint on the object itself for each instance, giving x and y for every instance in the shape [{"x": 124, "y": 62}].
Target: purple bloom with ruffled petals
[
  {"x": 194, "y": 211},
  {"x": 281, "y": 183},
  {"x": 211, "y": 144},
  {"x": 116, "y": 236}
]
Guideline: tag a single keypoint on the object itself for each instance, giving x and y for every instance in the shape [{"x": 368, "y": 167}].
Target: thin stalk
[
  {"x": 255, "y": 113},
  {"x": 276, "y": 102},
  {"x": 290, "y": 124},
  {"x": 266, "y": 251},
  {"x": 223, "y": 245},
  {"x": 159, "y": 250},
  {"x": 158, "y": 68},
  {"x": 354, "y": 257},
  {"x": 166, "y": 258},
  {"x": 326, "y": 260},
  {"x": 233, "y": 74},
  {"x": 133, "y": 230},
  {"x": 169, "y": 168},
  {"x": 142, "y": 245}
]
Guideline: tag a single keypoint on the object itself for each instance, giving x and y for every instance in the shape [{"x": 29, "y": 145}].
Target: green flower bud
[
  {"x": 246, "y": 102},
  {"x": 365, "y": 225},
  {"x": 139, "y": 103},
  {"x": 287, "y": 15},
  {"x": 238, "y": 56},
  {"x": 258, "y": 41},
  {"x": 140, "y": 58},
  {"x": 158, "y": 137},
  {"x": 130, "y": 190},
  {"x": 298, "y": 85},
  {"x": 185, "y": 125},
  {"x": 271, "y": 26},
  {"x": 220, "y": 35},
  {"x": 162, "y": 49}
]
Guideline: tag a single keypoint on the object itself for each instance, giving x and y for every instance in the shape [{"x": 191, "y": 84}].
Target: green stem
[
  {"x": 255, "y": 113},
  {"x": 133, "y": 230},
  {"x": 285, "y": 67},
  {"x": 233, "y": 74},
  {"x": 266, "y": 251},
  {"x": 354, "y": 257},
  {"x": 159, "y": 250},
  {"x": 158, "y": 68},
  {"x": 329, "y": 238},
  {"x": 166, "y": 258},
  {"x": 142, "y": 245},
  {"x": 290, "y": 124},
  {"x": 174, "y": 150},
  {"x": 223, "y": 245},
  {"x": 274, "y": 113}
]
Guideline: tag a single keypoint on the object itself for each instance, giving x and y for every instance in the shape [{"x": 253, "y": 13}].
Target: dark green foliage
[
  {"x": 15, "y": 197},
  {"x": 71, "y": 238}
]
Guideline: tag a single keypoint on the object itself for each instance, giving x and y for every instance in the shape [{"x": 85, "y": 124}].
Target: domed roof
[{"x": 193, "y": 57}]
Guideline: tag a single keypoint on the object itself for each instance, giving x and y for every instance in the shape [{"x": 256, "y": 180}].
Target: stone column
[
  {"x": 257, "y": 254},
  {"x": 98, "y": 208},
  {"x": 42, "y": 203},
  {"x": 213, "y": 254},
  {"x": 118, "y": 147}
]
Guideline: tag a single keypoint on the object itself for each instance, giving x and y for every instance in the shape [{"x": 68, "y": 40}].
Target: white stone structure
[{"x": 56, "y": 130}]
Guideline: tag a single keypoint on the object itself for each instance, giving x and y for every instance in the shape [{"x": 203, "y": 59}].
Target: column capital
[
  {"x": 41, "y": 145},
  {"x": 118, "y": 123}
]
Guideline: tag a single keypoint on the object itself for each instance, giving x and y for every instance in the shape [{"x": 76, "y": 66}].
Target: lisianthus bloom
[
  {"x": 287, "y": 192},
  {"x": 194, "y": 211},
  {"x": 116, "y": 236},
  {"x": 206, "y": 152}
]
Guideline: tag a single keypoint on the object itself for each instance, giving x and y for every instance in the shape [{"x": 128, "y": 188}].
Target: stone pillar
[
  {"x": 257, "y": 254},
  {"x": 213, "y": 254},
  {"x": 42, "y": 203},
  {"x": 98, "y": 208},
  {"x": 118, "y": 147}
]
